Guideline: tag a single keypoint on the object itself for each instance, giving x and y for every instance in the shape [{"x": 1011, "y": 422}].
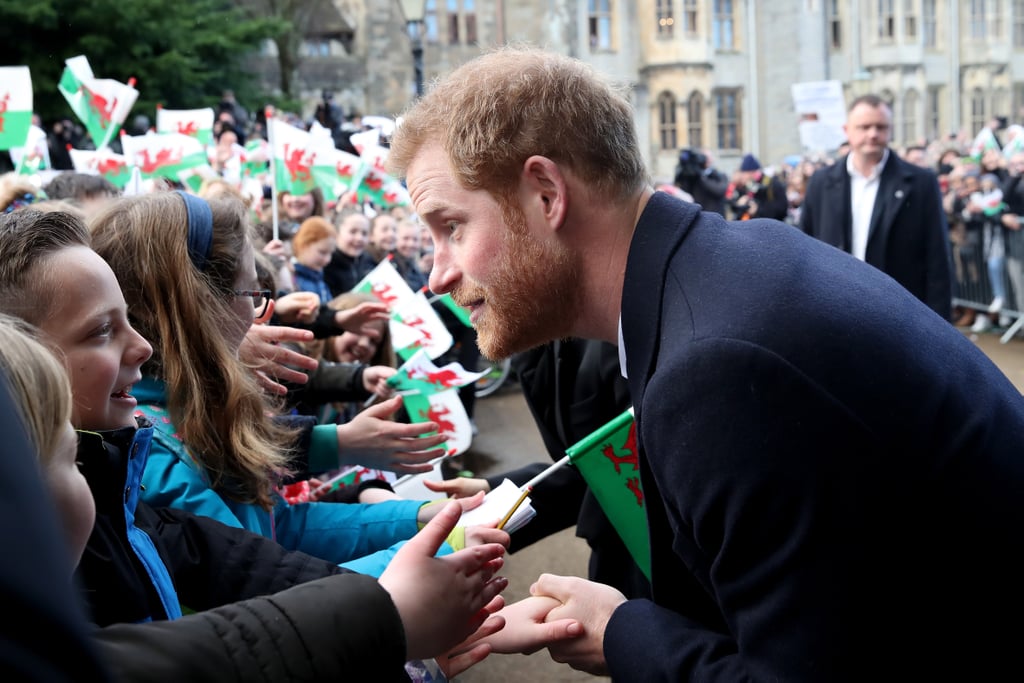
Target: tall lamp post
[{"x": 414, "y": 11}]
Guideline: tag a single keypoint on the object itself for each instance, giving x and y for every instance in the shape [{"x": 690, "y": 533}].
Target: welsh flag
[
  {"x": 337, "y": 172},
  {"x": 15, "y": 106},
  {"x": 1014, "y": 142},
  {"x": 195, "y": 123},
  {"x": 984, "y": 141},
  {"x": 446, "y": 410},
  {"x": 164, "y": 155},
  {"x": 414, "y": 323},
  {"x": 387, "y": 286},
  {"x": 103, "y": 162},
  {"x": 256, "y": 158},
  {"x": 430, "y": 331},
  {"x": 34, "y": 155},
  {"x": 102, "y": 104},
  {"x": 300, "y": 491},
  {"x": 420, "y": 375},
  {"x": 295, "y": 151},
  {"x": 609, "y": 460},
  {"x": 461, "y": 313}
]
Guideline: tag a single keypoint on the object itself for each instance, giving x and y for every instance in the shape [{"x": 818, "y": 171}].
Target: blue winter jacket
[{"x": 359, "y": 537}]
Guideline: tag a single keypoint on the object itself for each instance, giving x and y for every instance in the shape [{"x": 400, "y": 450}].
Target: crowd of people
[{"x": 817, "y": 445}]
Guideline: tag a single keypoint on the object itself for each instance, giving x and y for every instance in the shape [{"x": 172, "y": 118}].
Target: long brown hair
[{"x": 214, "y": 401}]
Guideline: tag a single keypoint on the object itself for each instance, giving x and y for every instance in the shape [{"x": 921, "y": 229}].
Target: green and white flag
[
  {"x": 195, "y": 123},
  {"x": 15, "y": 106},
  {"x": 34, "y": 156},
  {"x": 165, "y": 155},
  {"x": 102, "y": 162},
  {"x": 446, "y": 409},
  {"x": 101, "y": 104},
  {"x": 420, "y": 375},
  {"x": 609, "y": 461},
  {"x": 295, "y": 152}
]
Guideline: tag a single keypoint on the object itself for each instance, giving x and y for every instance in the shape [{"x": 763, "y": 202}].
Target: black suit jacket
[
  {"x": 833, "y": 473},
  {"x": 908, "y": 238}
]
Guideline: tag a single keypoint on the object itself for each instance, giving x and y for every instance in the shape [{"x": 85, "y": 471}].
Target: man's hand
[
  {"x": 589, "y": 603},
  {"x": 261, "y": 351}
]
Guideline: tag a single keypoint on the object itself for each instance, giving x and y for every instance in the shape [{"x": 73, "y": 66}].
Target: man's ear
[{"x": 544, "y": 191}]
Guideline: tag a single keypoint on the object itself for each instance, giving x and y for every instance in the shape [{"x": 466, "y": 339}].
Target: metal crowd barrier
[{"x": 974, "y": 287}]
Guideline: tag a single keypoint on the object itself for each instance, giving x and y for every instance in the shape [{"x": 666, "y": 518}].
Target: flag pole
[
  {"x": 268, "y": 115},
  {"x": 545, "y": 474}
]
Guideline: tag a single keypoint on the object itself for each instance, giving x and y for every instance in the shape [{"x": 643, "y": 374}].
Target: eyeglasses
[{"x": 260, "y": 299}]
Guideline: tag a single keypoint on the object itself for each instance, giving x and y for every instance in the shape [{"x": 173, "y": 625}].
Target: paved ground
[{"x": 507, "y": 439}]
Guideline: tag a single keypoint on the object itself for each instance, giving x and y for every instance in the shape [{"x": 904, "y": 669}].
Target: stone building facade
[{"x": 713, "y": 74}]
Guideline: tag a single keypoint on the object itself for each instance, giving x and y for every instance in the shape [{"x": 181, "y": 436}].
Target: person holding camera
[
  {"x": 695, "y": 176},
  {"x": 755, "y": 194}
]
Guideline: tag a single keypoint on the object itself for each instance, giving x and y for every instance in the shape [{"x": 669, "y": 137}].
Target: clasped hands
[{"x": 566, "y": 614}]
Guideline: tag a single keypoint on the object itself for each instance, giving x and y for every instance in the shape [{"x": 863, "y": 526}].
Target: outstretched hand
[
  {"x": 358, "y": 318},
  {"x": 526, "y": 630},
  {"x": 442, "y": 600},
  {"x": 261, "y": 350},
  {"x": 458, "y": 487},
  {"x": 297, "y": 307},
  {"x": 372, "y": 440}
]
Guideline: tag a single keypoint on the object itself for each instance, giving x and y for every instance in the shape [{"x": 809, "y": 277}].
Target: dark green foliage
[{"x": 182, "y": 54}]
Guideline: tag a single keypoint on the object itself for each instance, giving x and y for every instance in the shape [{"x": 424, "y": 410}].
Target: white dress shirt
[{"x": 863, "y": 191}]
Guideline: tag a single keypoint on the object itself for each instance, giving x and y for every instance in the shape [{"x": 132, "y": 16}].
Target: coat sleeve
[
  {"x": 336, "y": 628},
  {"x": 939, "y": 286},
  {"x": 341, "y": 531},
  {"x": 214, "y": 564}
]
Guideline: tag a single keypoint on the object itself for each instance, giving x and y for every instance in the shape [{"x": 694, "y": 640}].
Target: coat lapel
[{"x": 893, "y": 191}]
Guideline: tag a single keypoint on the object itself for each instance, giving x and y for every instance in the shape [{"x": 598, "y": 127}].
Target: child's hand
[
  {"x": 372, "y": 440},
  {"x": 482, "y": 534},
  {"x": 525, "y": 630},
  {"x": 273, "y": 363},
  {"x": 297, "y": 307},
  {"x": 357, "y": 319},
  {"x": 429, "y": 510},
  {"x": 459, "y": 487},
  {"x": 375, "y": 380},
  {"x": 471, "y": 651},
  {"x": 442, "y": 600}
]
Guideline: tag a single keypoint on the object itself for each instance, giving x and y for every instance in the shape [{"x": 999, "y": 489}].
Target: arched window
[
  {"x": 979, "y": 115},
  {"x": 695, "y": 120},
  {"x": 667, "y": 121},
  {"x": 911, "y": 115}
]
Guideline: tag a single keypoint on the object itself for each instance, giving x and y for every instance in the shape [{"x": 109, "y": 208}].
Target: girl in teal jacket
[{"x": 187, "y": 270}]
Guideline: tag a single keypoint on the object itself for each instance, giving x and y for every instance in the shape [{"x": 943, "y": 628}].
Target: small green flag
[{"x": 610, "y": 462}]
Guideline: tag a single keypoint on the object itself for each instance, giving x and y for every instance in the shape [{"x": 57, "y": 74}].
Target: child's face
[
  {"x": 103, "y": 354},
  {"x": 352, "y": 235},
  {"x": 383, "y": 233},
  {"x": 409, "y": 241},
  {"x": 70, "y": 492},
  {"x": 316, "y": 255},
  {"x": 355, "y": 348}
]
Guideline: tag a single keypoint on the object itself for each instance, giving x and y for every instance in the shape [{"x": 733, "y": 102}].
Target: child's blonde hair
[
  {"x": 217, "y": 407},
  {"x": 38, "y": 382}
]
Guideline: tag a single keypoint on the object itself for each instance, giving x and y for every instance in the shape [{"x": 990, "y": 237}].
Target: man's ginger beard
[{"x": 533, "y": 294}]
